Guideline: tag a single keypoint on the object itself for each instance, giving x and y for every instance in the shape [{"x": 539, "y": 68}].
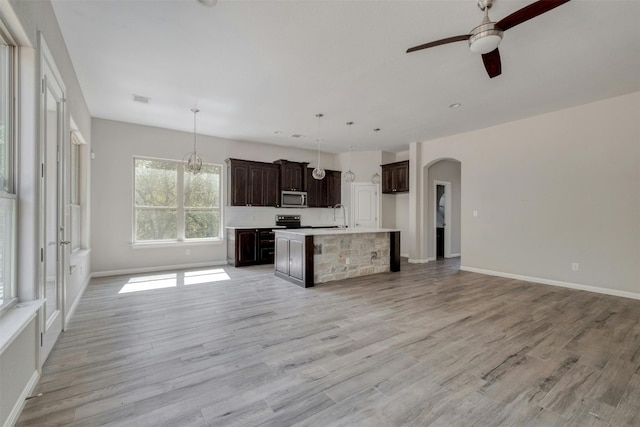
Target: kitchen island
[{"x": 309, "y": 256}]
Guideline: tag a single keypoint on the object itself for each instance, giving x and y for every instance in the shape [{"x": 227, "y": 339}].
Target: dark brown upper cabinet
[
  {"x": 292, "y": 175},
  {"x": 395, "y": 177},
  {"x": 253, "y": 183},
  {"x": 326, "y": 192}
]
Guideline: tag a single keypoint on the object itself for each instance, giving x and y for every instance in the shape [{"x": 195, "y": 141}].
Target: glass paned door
[
  {"x": 55, "y": 248},
  {"x": 52, "y": 305}
]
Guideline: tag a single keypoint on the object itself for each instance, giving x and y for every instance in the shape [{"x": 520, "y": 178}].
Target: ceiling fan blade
[
  {"x": 528, "y": 12},
  {"x": 439, "y": 42},
  {"x": 492, "y": 63}
]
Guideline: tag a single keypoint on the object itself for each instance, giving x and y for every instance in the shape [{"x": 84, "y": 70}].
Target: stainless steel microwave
[{"x": 293, "y": 199}]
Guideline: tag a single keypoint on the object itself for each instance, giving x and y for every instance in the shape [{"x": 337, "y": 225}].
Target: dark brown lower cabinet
[
  {"x": 294, "y": 259},
  {"x": 250, "y": 246}
]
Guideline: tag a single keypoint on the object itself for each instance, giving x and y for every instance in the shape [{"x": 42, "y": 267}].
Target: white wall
[
  {"x": 20, "y": 359},
  {"x": 115, "y": 144},
  {"x": 551, "y": 190}
]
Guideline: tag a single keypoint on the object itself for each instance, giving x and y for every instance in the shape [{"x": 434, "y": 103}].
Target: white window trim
[{"x": 12, "y": 173}]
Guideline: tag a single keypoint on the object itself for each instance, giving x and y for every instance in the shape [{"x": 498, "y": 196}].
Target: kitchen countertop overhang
[
  {"x": 329, "y": 231},
  {"x": 249, "y": 227}
]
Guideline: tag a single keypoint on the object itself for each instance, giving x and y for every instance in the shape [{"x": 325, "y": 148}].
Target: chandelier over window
[{"x": 192, "y": 161}]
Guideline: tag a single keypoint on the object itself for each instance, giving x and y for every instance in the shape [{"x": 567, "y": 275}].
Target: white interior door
[
  {"x": 365, "y": 204},
  {"x": 54, "y": 245}
]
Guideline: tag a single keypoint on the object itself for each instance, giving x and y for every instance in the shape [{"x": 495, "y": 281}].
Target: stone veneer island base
[{"x": 309, "y": 256}]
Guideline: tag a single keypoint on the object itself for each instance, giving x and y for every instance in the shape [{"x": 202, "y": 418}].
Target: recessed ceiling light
[
  {"x": 141, "y": 99},
  {"x": 353, "y": 147},
  {"x": 377, "y": 130},
  {"x": 456, "y": 105},
  {"x": 296, "y": 135},
  {"x": 277, "y": 132}
]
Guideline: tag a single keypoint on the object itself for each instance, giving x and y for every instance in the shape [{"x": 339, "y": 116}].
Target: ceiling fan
[{"x": 486, "y": 37}]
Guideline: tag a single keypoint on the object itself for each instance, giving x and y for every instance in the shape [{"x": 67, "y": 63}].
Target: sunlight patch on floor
[
  {"x": 148, "y": 283},
  {"x": 172, "y": 280}
]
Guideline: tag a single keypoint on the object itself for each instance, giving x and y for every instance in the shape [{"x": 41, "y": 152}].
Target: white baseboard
[
  {"x": 418, "y": 261},
  {"x": 75, "y": 303},
  {"x": 454, "y": 256},
  {"x": 596, "y": 289},
  {"x": 404, "y": 255},
  {"x": 12, "y": 419},
  {"x": 154, "y": 269}
]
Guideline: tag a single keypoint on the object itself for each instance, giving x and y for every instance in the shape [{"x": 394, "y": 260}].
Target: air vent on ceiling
[{"x": 141, "y": 99}]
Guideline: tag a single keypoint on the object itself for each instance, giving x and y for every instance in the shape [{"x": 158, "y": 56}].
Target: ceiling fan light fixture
[{"x": 485, "y": 38}]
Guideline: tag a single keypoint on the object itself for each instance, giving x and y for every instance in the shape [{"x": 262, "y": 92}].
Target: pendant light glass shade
[
  {"x": 318, "y": 173},
  {"x": 192, "y": 161},
  {"x": 349, "y": 176}
]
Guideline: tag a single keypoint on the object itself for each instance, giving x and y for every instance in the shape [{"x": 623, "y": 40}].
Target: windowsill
[
  {"x": 17, "y": 318},
  {"x": 79, "y": 254},
  {"x": 176, "y": 244}
]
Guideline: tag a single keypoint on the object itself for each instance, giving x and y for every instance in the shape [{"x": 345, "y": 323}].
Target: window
[
  {"x": 7, "y": 193},
  {"x": 75, "y": 188},
  {"x": 174, "y": 205}
]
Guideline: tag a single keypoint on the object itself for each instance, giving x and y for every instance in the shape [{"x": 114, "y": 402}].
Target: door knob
[{"x": 65, "y": 242}]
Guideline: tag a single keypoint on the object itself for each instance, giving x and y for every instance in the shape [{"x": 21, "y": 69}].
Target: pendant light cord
[{"x": 195, "y": 111}]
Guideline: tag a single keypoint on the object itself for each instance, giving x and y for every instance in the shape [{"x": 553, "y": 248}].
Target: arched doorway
[{"x": 442, "y": 209}]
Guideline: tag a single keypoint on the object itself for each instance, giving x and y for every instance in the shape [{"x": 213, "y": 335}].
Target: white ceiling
[{"x": 257, "y": 67}]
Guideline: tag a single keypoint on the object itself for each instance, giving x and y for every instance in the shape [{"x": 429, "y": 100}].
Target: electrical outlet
[
  {"x": 347, "y": 260},
  {"x": 188, "y": 252},
  {"x": 575, "y": 266},
  {"x": 475, "y": 213}
]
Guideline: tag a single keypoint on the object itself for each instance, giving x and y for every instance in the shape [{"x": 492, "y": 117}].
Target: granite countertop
[{"x": 330, "y": 231}]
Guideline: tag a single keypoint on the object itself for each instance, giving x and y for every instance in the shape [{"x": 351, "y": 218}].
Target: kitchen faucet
[{"x": 344, "y": 214}]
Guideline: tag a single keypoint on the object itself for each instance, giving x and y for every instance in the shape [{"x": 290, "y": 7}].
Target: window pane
[
  {"x": 75, "y": 174},
  {"x": 5, "y": 116},
  {"x": 156, "y": 183},
  {"x": 7, "y": 207},
  {"x": 201, "y": 224},
  {"x": 76, "y": 222},
  {"x": 156, "y": 224},
  {"x": 202, "y": 189}
]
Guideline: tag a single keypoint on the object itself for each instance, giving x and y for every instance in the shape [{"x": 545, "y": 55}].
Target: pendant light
[
  {"x": 349, "y": 176},
  {"x": 318, "y": 173},
  {"x": 192, "y": 161},
  {"x": 375, "y": 178}
]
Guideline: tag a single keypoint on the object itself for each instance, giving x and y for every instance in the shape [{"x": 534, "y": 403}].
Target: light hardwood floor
[{"x": 430, "y": 345}]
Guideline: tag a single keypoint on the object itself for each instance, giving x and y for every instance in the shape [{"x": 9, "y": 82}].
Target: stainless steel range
[{"x": 288, "y": 221}]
